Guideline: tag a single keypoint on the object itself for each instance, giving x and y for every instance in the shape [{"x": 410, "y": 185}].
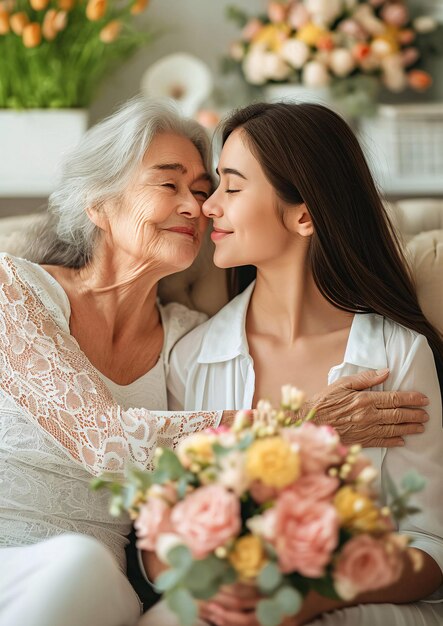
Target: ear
[
  {"x": 298, "y": 220},
  {"x": 98, "y": 216}
]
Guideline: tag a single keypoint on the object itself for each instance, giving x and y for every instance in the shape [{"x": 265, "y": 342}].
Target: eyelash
[
  {"x": 201, "y": 193},
  {"x": 232, "y": 190}
]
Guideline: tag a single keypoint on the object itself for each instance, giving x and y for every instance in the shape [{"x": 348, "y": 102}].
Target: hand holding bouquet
[{"x": 269, "y": 502}]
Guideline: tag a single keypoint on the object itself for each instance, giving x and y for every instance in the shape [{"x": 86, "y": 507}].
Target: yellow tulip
[
  {"x": 95, "y": 10},
  {"x": 18, "y": 21},
  {"x": 139, "y": 6},
  {"x": 32, "y": 35},
  {"x": 66, "y": 5},
  {"x": 39, "y": 5},
  {"x": 4, "y": 23},
  {"x": 111, "y": 31},
  {"x": 48, "y": 27}
]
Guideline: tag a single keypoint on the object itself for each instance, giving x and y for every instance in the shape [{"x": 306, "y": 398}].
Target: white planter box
[{"x": 32, "y": 145}]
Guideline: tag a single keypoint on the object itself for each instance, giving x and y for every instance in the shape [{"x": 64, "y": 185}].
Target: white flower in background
[
  {"x": 393, "y": 75},
  {"x": 232, "y": 472},
  {"x": 425, "y": 24},
  {"x": 182, "y": 77},
  {"x": 315, "y": 74},
  {"x": 274, "y": 67},
  {"x": 365, "y": 16},
  {"x": 298, "y": 16},
  {"x": 295, "y": 52},
  {"x": 341, "y": 62},
  {"x": 165, "y": 543},
  {"x": 236, "y": 51},
  {"x": 292, "y": 397},
  {"x": 253, "y": 65},
  {"x": 324, "y": 12}
]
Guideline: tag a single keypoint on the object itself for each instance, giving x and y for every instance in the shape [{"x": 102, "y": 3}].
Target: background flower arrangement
[
  {"x": 267, "y": 502},
  {"x": 353, "y": 46},
  {"x": 54, "y": 53}
]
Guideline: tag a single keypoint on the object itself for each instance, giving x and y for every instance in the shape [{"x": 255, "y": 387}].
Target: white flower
[
  {"x": 236, "y": 51},
  {"x": 253, "y": 64},
  {"x": 263, "y": 525},
  {"x": 232, "y": 472},
  {"x": 274, "y": 67},
  {"x": 165, "y": 543},
  {"x": 315, "y": 74},
  {"x": 295, "y": 52},
  {"x": 364, "y": 15},
  {"x": 292, "y": 397},
  {"x": 425, "y": 24},
  {"x": 341, "y": 62},
  {"x": 394, "y": 77},
  {"x": 324, "y": 12}
]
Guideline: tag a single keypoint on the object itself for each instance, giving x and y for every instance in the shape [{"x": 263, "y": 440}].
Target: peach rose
[
  {"x": 262, "y": 493},
  {"x": 395, "y": 14},
  {"x": 207, "y": 519},
  {"x": 153, "y": 520},
  {"x": 306, "y": 534},
  {"x": 318, "y": 446},
  {"x": 315, "y": 487},
  {"x": 365, "y": 564}
]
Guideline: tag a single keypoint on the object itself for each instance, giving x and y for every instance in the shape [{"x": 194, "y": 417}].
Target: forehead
[
  {"x": 172, "y": 148},
  {"x": 237, "y": 154}
]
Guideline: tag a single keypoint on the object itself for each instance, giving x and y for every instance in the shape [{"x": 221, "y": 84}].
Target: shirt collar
[
  {"x": 225, "y": 337},
  {"x": 366, "y": 344}
]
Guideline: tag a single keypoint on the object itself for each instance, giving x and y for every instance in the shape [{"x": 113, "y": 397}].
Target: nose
[
  {"x": 211, "y": 207},
  {"x": 189, "y": 207}
]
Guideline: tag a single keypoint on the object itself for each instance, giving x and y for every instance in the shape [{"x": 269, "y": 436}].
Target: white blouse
[
  {"x": 62, "y": 422},
  {"x": 211, "y": 368}
]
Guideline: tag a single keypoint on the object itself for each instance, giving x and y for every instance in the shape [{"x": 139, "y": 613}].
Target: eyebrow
[
  {"x": 230, "y": 170},
  {"x": 179, "y": 167}
]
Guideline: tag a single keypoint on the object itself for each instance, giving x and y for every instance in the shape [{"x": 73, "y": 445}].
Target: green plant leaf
[
  {"x": 325, "y": 587},
  {"x": 183, "y": 605},
  {"x": 169, "y": 579},
  {"x": 289, "y": 600},
  {"x": 170, "y": 465},
  {"x": 180, "y": 557},
  {"x": 268, "y": 613},
  {"x": 413, "y": 481},
  {"x": 269, "y": 578}
]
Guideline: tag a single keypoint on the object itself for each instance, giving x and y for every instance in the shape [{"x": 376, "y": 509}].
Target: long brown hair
[{"x": 309, "y": 154}]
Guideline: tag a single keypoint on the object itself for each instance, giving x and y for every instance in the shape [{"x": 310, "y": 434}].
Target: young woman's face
[
  {"x": 160, "y": 219},
  {"x": 247, "y": 227}
]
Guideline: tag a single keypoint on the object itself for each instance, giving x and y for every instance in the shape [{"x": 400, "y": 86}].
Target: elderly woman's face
[{"x": 160, "y": 219}]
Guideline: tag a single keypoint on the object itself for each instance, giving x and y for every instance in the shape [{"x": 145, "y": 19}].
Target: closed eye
[
  {"x": 169, "y": 185},
  {"x": 203, "y": 194},
  {"x": 232, "y": 190}
]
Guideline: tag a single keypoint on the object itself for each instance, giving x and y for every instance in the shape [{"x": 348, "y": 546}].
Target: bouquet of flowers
[
  {"x": 54, "y": 53},
  {"x": 272, "y": 502},
  {"x": 335, "y": 42}
]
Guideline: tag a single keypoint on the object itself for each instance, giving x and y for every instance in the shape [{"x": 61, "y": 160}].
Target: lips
[
  {"x": 218, "y": 234},
  {"x": 184, "y": 230}
]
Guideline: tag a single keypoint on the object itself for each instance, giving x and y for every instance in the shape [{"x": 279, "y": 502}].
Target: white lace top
[{"x": 61, "y": 422}]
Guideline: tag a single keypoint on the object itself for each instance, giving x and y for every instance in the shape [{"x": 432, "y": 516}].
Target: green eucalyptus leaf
[
  {"x": 289, "y": 600},
  {"x": 269, "y": 578},
  {"x": 268, "y": 613},
  {"x": 168, "y": 579},
  {"x": 413, "y": 482},
  {"x": 229, "y": 577},
  {"x": 170, "y": 464},
  {"x": 180, "y": 557},
  {"x": 183, "y": 605}
]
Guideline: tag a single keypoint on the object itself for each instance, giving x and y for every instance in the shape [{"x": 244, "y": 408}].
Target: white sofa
[{"x": 203, "y": 287}]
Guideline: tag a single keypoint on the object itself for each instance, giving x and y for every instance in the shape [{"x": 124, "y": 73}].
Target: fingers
[
  {"x": 223, "y": 617},
  {"x": 402, "y": 416},
  {"x": 399, "y": 399},
  {"x": 363, "y": 380},
  {"x": 233, "y": 602}
]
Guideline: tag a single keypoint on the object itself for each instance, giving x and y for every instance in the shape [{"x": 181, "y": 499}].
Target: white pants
[
  {"x": 68, "y": 580},
  {"x": 419, "y": 614}
]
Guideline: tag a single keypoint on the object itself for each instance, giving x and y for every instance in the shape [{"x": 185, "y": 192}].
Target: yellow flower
[
  {"x": 95, "y": 10},
  {"x": 4, "y": 22},
  {"x": 247, "y": 557},
  {"x": 139, "y": 6},
  {"x": 39, "y": 5},
  {"x": 272, "y": 36},
  {"x": 18, "y": 21},
  {"x": 66, "y": 5},
  {"x": 311, "y": 34},
  {"x": 32, "y": 35},
  {"x": 48, "y": 27},
  {"x": 111, "y": 31},
  {"x": 273, "y": 462},
  {"x": 357, "y": 512},
  {"x": 196, "y": 449}
]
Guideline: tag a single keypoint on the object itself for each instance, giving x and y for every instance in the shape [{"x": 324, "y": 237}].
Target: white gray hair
[{"x": 99, "y": 169}]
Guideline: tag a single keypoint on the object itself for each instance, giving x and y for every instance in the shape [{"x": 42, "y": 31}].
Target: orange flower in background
[
  {"x": 111, "y": 31},
  {"x": 96, "y": 9},
  {"x": 419, "y": 80},
  {"x": 139, "y": 6},
  {"x": 39, "y": 5},
  {"x": 4, "y": 23},
  {"x": 18, "y": 21},
  {"x": 32, "y": 35},
  {"x": 48, "y": 27},
  {"x": 66, "y": 5}
]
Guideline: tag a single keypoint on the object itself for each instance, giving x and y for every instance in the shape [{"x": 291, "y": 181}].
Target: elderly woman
[{"x": 83, "y": 339}]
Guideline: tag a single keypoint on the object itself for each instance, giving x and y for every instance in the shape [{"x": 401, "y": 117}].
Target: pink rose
[
  {"x": 207, "y": 519},
  {"x": 261, "y": 492},
  {"x": 306, "y": 534},
  {"x": 319, "y": 446},
  {"x": 252, "y": 28},
  {"x": 396, "y": 14},
  {"x": 298, "y": 16},
  {"x": 365, "y": 564},
  {"x": 353, "y": 29},
  {"x": 153, "y": 520},
  {"x": 315, "y": 487}
]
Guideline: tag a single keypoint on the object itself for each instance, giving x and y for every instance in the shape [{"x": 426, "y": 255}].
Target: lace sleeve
[{"x": 44, "y": 372}]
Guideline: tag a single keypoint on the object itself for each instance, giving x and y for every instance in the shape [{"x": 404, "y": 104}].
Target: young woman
[{"x": 332, "y": 297}]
